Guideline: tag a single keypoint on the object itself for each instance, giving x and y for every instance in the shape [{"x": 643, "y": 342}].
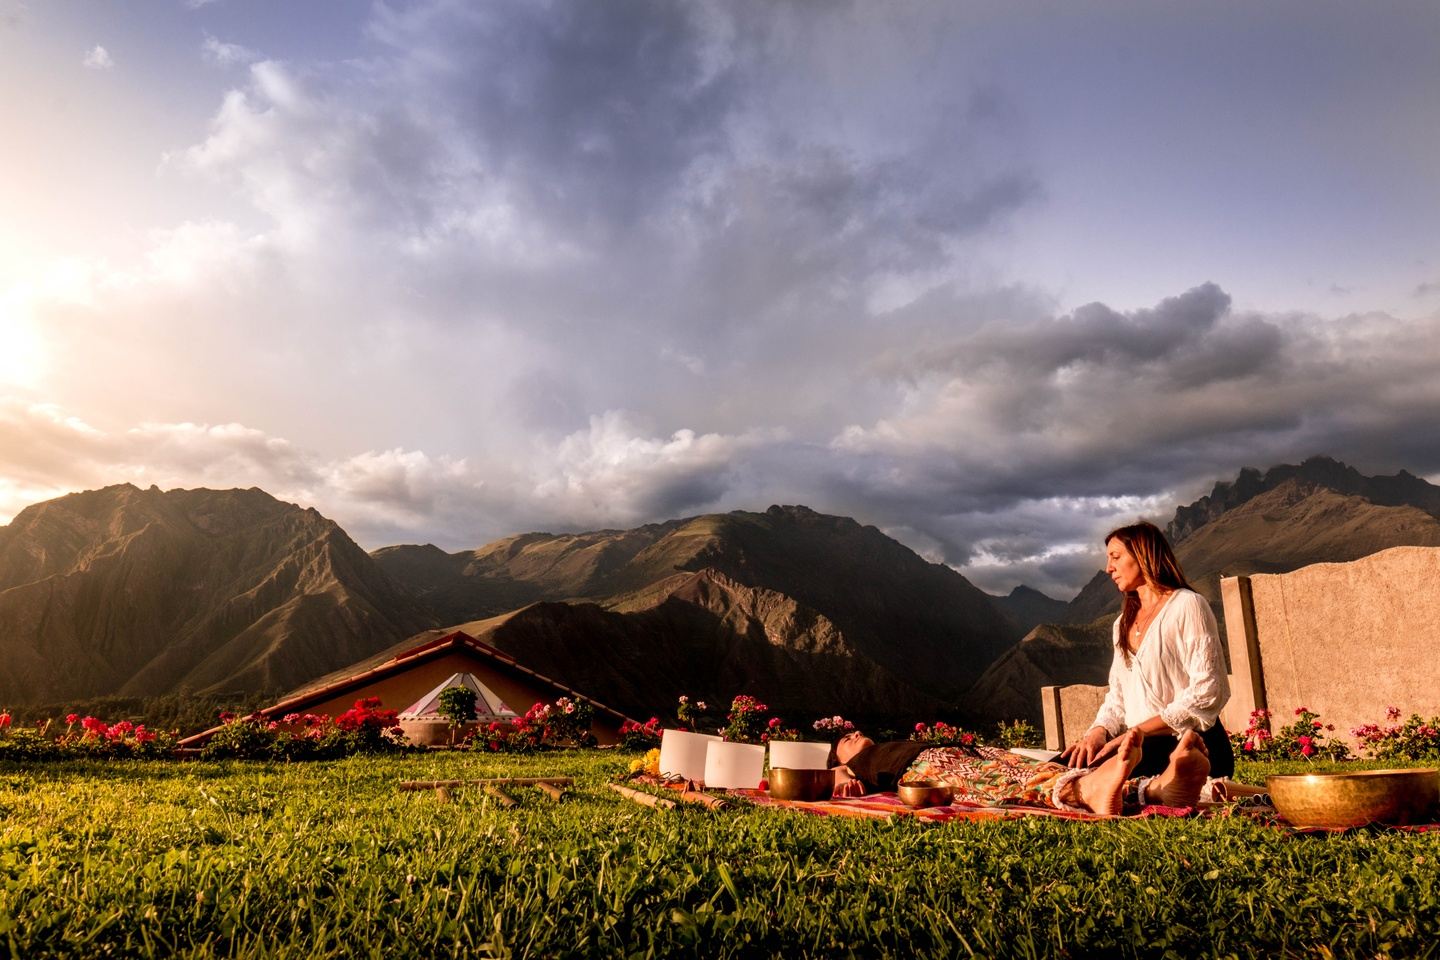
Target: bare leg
[
  {"x": 1179, "y": 785},
  {"x": 1102, "y": 789}
]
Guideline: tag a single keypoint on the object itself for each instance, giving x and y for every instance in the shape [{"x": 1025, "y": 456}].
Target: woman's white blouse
[{"x": 1178, "y": 672}]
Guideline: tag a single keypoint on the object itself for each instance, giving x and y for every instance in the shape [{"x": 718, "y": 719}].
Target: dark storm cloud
[{"x": 1021, "y": 437}]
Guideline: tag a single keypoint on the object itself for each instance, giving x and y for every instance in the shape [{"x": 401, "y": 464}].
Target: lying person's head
[{"x": 848, "y": 746}]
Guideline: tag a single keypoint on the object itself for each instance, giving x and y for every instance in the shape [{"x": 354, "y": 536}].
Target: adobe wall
[{"x": 1344, "y": 639}]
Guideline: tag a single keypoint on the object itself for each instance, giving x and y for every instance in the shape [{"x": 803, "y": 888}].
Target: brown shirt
[{"x": 880, "y": 765}]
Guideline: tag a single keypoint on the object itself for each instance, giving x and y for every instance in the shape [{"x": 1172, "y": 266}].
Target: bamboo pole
[
  {"x": 553, "y": 791},
  {"x": 497, "y": 781},
  {"x": 505, "y": 799},
  {"x": 645, "y": 799},
  {"x": 704, "y": 799}
]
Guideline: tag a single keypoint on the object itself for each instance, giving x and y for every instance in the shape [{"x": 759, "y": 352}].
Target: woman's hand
[
  {"x": 846, "y": 785},
  {"x": 1090, "y": 749}
]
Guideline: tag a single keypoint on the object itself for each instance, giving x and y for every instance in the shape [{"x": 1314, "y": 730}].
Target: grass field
[{"x": 330, "y": 860}]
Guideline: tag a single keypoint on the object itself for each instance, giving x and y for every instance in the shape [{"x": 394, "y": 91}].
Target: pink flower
[
  {"x": 1392, "y": 713},
  {"x": 4, "y": 720},
  {"x": 919, "y": 728},
  {"x": 72, "y": 718},
  {"x": 1301, "y": 710}
]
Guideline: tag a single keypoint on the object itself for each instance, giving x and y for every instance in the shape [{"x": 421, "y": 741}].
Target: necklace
[{"x": 1143, "y": 621}]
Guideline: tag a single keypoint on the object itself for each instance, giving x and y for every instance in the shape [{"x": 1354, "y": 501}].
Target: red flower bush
[
  {"x": 746, "y": 720},
  {"x": 1307, "y": 738},
  {"x": 364, "y": 728},
  {"x": 942, "y": 734},
  {"x": 640, "y": 736},
  {"x": 125, "y": 738},
  {"x": 1415, "y": 739}
]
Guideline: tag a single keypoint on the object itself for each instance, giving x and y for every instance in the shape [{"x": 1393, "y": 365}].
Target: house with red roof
[{"x": 404, "y": 676}]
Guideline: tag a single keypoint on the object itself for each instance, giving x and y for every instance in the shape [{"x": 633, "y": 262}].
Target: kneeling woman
[{"x": 997, "y": 777}]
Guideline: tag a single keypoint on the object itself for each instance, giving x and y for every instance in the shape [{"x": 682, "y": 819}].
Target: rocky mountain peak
[
  {"x": 143, "y": 592},
  {"x": 1318, "y": 472}
]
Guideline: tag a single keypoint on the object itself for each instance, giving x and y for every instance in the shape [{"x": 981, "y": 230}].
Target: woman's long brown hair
[{"x": 1147, "y": 544}]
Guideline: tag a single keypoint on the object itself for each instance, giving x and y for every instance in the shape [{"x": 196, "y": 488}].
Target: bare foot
[
  {"x": 1179, "y": 785},
  {"x": 1102, "y": 789}
]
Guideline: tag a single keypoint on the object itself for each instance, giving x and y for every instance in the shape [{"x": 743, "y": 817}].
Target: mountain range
[
  {"x": 134, "y": 592},
  {"x": 124, "y": 591}
]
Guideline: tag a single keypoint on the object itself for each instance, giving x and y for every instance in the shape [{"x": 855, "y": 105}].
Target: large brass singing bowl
[
  {"x": 925, "y": 793},
  {"x": 1353, "y": 799},
  {"x": 787, "y": 783}
]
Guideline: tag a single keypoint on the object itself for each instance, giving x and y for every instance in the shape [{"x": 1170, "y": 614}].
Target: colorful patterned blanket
[{"x": 886, "y": 805}]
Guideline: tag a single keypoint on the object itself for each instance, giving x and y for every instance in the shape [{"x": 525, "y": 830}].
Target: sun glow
[{"x": 21, "y": 352}]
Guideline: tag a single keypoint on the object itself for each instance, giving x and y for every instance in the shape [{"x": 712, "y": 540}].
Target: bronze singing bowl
[
  {"x": 925, "y": 793},
  {"x": 787, "y": 783},
  {"x": 1354, "y": 799}
]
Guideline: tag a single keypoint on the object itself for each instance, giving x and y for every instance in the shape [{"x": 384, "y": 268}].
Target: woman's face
[
  {"x": 851, "y": 744},
  {"x": 1122, "y": 567}
]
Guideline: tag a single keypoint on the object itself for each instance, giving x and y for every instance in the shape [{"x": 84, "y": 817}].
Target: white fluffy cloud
[
  {"x": 609, "y": 473},
  {"x": 226, "y": 54},
  {"x": 98, "y": 58}
]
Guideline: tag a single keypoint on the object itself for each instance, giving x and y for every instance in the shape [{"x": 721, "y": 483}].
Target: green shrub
[{"x": 1017, "y": 733}]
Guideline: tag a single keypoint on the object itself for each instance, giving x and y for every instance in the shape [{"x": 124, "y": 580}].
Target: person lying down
[{"x": 996, "y": 777}]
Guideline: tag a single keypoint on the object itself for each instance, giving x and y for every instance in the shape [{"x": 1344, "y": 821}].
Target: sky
[{"x": 991, "y": 276}]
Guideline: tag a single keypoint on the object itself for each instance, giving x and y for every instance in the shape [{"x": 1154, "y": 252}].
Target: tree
[{"x": 457, "y": 704}]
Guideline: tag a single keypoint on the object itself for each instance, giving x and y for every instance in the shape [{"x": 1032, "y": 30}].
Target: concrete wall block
[{"x": 1349, "y": 639}]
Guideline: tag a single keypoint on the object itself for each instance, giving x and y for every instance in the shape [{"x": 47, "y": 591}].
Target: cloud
[
  {"x": 98, "y": 58},
  {"x": 610, "y": 473},
  {"x": 13, "y": 13},
  {"x": 569, "y": 265},
  {"x": 1152, "y": 404},
  {"x": 1427, "y": 289},
  {"x": 226, "y": 54}
]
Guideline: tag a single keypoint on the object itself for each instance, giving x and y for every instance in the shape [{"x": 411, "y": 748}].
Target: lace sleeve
[{"x": 1201, "y": 689}]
